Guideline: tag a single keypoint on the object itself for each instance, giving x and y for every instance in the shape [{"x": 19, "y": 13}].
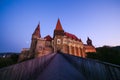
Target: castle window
[
  {"x": 66, "y": 48},
  {"x": 77, "y": 51},
  {"x": 72, "y": 50},
  {"x": 65, "y": 41}
]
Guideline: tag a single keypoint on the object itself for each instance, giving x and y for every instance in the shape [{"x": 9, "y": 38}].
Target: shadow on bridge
[{"x": 61, "y": 67}]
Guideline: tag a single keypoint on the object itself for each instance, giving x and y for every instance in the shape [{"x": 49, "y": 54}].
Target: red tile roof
[
  {"x": 48, "y": 38},
  {"x": 37, "y": 31},
  {"x": 72, "y": 36},
  {"x": 58, "y": 25}
]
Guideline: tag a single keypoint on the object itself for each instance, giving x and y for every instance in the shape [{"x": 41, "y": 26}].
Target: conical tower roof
[
  {"x": 37, "y": 31},
  {"x": 89, "y": 41},
  {"x": 58, "y": 25}
]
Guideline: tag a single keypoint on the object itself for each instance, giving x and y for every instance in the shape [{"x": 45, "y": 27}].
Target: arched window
[
  {"x": 72, "y": 49},
  {"x": 77, "y": 51},
  {"x": 81, "y": 52},
  {"x": 67, "y": 49}
]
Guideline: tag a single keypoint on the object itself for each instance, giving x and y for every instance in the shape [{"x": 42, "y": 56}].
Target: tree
[{"x": 107, "y": 54}]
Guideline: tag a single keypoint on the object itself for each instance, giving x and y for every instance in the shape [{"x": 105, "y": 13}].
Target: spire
[
  {"x": 37, "y": 31},
  {"x": 88, "y": 38},
  {"x": 58, "y": 30},
  {"x": 58, "y": 25},
  {"x": 89, "y": 41}
]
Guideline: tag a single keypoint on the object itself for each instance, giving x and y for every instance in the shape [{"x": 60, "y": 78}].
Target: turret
[
  {"x": 35, "y": 36},
  {"x": 58, "y": 30},
  {"x": 58, "y": 37},
  {"x": 36, "y": 33},
  {"x": 89, "y": 41}
]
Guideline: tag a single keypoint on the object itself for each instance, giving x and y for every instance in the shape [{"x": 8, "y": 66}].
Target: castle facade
[{"x": 60, "y": 42}]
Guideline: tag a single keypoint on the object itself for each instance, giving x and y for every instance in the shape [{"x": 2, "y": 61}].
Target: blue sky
[{"x": 97, "y": 19}]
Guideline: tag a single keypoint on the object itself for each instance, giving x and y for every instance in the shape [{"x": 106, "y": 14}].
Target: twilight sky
[{"x": 97, "y": 19}]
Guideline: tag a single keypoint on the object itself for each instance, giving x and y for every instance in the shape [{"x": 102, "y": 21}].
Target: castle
[{"x": 60, "y": 42}]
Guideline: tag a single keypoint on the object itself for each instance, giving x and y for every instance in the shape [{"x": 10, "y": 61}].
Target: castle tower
[
  {"x": 58, "y": 30},
  {"x": 36, "y": 35},
  {"x": 89, "y": 41},
  {"x": 58, "y": 37}
]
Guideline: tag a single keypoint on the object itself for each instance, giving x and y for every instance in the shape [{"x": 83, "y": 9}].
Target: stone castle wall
[{"x": 61, "y": 42}]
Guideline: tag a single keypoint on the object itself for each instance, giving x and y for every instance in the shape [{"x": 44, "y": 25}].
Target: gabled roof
[
  {"x": 58, "y": 25},
  {"x": 86, "y": 46},
  {"x": 89, "y": 48},
  {"x": 72, "y": 36},
  {"x": 37, "y": 31},
  {"x": 48, "y": 38}
]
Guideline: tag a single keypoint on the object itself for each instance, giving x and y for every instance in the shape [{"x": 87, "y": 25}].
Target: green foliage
[{"x": 107, "y": 54}]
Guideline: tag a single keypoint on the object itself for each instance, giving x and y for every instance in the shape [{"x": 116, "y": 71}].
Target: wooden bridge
[{"x": 61, "y": 67}]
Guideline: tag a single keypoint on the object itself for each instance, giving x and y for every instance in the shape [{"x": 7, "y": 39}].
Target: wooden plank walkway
[
  {"x": 93, "y": 69},
  {"x": 61, "y": 67},
  {"x": 27, "y": 70}
]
